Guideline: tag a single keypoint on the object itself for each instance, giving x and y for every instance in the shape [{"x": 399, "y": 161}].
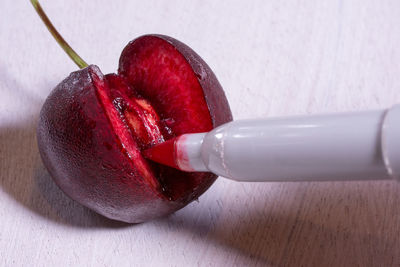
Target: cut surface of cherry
[{"x": 93, "y": 128}]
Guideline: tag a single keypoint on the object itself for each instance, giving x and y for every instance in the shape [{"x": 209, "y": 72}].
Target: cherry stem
[{"x": 64, "y": 45}]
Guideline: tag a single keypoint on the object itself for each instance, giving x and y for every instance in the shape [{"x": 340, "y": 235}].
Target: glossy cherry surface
[{"x": 93, "y": 128}]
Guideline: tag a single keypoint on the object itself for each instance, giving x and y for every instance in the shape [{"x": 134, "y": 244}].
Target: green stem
[{"x": 64, "y": 45}]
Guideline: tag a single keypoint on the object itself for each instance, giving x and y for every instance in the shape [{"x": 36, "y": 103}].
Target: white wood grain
[{"x": 273, "y": 58}]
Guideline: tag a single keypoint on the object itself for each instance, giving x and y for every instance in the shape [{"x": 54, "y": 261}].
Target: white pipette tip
[
  {"x": 182, "y": 153},
  {"x": 163, "y": 153}
]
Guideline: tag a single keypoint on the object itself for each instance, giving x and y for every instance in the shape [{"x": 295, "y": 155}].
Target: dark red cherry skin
[{"x": 92, "y": 155}]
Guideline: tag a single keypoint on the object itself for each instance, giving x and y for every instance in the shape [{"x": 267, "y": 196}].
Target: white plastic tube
[{"x": 347, "y": 146}]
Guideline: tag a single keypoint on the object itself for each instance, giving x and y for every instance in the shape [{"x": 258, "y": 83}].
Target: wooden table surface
[{"x": 274, "y": 58}]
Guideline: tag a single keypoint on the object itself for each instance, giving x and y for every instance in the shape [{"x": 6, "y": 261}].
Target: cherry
[{"x": 93, "y": 127}]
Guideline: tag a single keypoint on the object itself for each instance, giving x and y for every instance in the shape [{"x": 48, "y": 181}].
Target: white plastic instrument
[{"x": 347, "y": 146}]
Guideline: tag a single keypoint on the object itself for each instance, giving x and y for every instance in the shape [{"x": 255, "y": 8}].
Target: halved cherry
[{"x": 93, "y": 127}]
